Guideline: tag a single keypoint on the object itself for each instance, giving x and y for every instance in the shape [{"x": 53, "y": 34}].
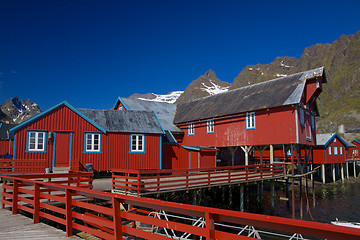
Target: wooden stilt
[
  {"x": 342, "y": 172},
  {"x": 241, "y": 197},
  {"x": 333, "y": 172},
  {"x": 292, "y": 182},
  {"x": 272, "y": 197},
  {"x": 354, "y": 169},
  {"x": 271, "y": 154},
  {"x": 301, "y": 199},
  {"x": 347, "y": 170},
  {"x": 323, "y": 173}
]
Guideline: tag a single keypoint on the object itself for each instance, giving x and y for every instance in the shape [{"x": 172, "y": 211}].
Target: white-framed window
[
  {"x": 329, "y": 150},
  {"x": 250, "y": 120},
  {"x": 210, "y": 126},
  {"x": 335, "y": 150},
  {"x": 92, "y": 142},
  {"x": 36, "y": 141},
  {"x": 191, "y": 128},
  {"x": 334, "y": 140},
  {"x": 341, "y": 150},
  {"x": 137, "y": 143},
  {"x": 302, "y": 116}
]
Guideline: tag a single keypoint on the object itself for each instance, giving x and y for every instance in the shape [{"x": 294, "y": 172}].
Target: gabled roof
[
  {"x": 325, "y": 138},
  {"x": 125, "y": 121},
  {"x": 164, "y": 111},
  {"x": 278, "y": 92},
  {"x": 5, "y": 133},
  {"x": 63, "y": 103},
  {"x": 357, "y": 141}
]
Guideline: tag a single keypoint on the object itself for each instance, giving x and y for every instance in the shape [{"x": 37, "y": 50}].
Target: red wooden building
[
  {"x": 175, "y": 155},
  {"x": 330, "y": 148},
  {"x": 6, "y": 139},
  {"x": 273, "y": 114},
  {"x": 105, "y": 138},
  {"x": 354, "y": 154}
]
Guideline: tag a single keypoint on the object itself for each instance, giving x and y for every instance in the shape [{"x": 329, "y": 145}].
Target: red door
[
  {"x": 62, "y": 149},
  {"x": 194, "y": 159}
]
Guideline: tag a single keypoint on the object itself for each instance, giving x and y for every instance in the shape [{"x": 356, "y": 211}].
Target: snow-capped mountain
[
  {"x": 206, "y": 85},
  {"x": 17, "y": 111},
  {"x": 169, "y": 98}
]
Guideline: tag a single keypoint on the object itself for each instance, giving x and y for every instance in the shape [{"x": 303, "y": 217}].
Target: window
[
  {"x": 341, "y": 150},
  {"x": 36, "y": 141},
  {"x": 137, "y": 143},
  {"x": 210, "y": 126},
  {"x": 308, "y": 127},
  {"x": 302, "y": 117},
  {"x": 250, "y": 120},
  {"x": 329, "y": 150},
  {"x": 313, "y": 123},
  {"x": 334, "y": 140},
  {"x": 335, "y": 150},
  {"x": 92, "y": 142},
  {"x": 191, "y": 129}
]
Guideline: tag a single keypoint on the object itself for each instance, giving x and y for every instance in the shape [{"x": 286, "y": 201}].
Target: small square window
[
  {"x": 93, "y": 141},
  {"x": 250, "y": 120},
  {"x": 191, "y": 128},
  {"x": 36, "y": 141},
  {"x": 210, "y": 126},
  {"x": 137, "y": 143}
]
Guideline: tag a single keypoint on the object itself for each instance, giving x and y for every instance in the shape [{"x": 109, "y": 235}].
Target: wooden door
[{"x": 62, "y": 149}]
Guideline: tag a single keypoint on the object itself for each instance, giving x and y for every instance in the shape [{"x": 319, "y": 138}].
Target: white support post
[
  {"x": 271, "y": 154},
  {"x": 347, "y": 170},
  {"x": 354, "y": 169},
  {"x": 323, "y": 173},
  {"x": 342, "y": 171},
  {"x": 246, "y": 149},
  {"x": 333, "y": 172}
]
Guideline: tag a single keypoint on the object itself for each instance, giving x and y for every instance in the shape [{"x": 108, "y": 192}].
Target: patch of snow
[
  {"x": 214, "y": 89},
  {"x": 169, "y": 98},
  {"x": 262, "y": 73},
  {"x": 284, "y": 65},
  {"x": 258, "y": 69},
  {"x": 280, "y": 75},
  {"x": 250, "y": 69}
]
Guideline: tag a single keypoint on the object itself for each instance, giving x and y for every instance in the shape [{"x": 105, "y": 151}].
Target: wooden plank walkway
[{"x": 18, "y": 226}]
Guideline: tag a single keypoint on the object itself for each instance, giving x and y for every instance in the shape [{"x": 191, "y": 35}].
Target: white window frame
[
  {"x": 39, "y": 143},
  {"x": 210, "y": 126},
  {"x": 329, "y": 150},
  {"x": 341, "y": 150},
  {"x": 137, "y": 143},
  {"x": 191, "y": 129},
  {"x": 335, "y": 150},
  {"x": 92, "y": 142},
  {"x": 250, "y": 120}
]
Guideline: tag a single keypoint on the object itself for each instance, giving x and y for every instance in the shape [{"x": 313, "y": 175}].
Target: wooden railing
[
  {"x": 126, "y": 217},
  {"x": 142, "y": 182},
  {"x": 20, "y": 166}
]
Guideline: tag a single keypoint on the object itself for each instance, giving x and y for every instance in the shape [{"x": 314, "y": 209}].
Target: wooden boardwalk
[{"x": 18, "y": 226}]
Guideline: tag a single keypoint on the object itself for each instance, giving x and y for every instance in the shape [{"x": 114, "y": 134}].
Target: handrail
[
  {"x": 114, "y": 222},
  {"x": 20, "y": 166},
  {"x": 142, "y": 182}
]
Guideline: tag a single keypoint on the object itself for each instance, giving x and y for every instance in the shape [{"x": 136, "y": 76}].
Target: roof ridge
[{"x": 257, "y": 84}]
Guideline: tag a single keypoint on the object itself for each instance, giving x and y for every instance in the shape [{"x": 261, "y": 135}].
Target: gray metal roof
[
  {"x": 124, "y": 121},
  {"x": 164, "y": 111},
  {"x": 323, "y": 138},
  {"x": 278, "y": 92},
  {"x": 5, "y": 133}
]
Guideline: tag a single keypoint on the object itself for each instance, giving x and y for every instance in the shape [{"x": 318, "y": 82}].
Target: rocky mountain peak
[
  {"x": 17, "y": 111},
  {"x": 210, "y": 74}
]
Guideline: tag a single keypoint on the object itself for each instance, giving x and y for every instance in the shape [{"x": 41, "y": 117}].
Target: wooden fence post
[
  {"x": 117, "y": 218},
  {"x": 15, "y": 196},
  {"x": 36, "y": 218},
  {"x": 68, "y": 207},
  {"x": 210, "y": 226}
]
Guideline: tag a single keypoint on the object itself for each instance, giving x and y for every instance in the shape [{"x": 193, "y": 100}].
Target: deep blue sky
[{"x": 90, "y": 52}]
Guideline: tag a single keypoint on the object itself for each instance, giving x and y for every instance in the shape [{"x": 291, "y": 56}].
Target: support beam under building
[{"x": 323, "y": 173}]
